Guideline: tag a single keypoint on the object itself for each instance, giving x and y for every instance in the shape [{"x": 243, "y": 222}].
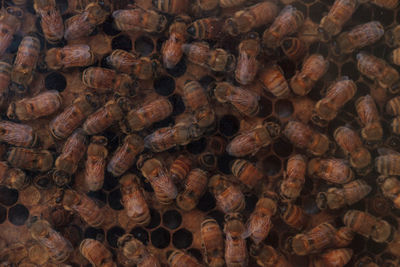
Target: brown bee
[
  {"x": 13, "y": 177},
  {"x": 172, "y": 6},
  {"x": 180, "y": 168},
  {"x": 368, "y": 113},
  {"x": 274, "y": 81},
  {"x": 230, "y": 3},
  {"x": 392, "y": 36},
  {"x": 179, "y": 258},
  {"x": 293, "y": 215},
  {"x": 42, "y": 105},
  {"x": 395, "y": 56},
  {"x": 302, "y": 136},
  {"x": 10, "y": 23},
  {"x": 5, "y": 78},
  {"x": 286, "y": 23},
  {"x": 314, "y": 240},
  {"x": 124, "y": 157},
  {"x": 314, "y": 67},
  {"x": 343, "y": 237},
  {"x": 368, "y": 226},
  {"x": 205, "y": 29},
  {"x": 96, "y": 253},
  {"x": 139, "y": 19},
  {"x": 333, "y": 258},
  {"x": 235, "y": 244},
  {"x": 393, "y": 106},
  {"x": 207, "y": 160},
  {"x": 25, "y": 61},
  {"x": 395, "y": 125},
  {"x": 387, "y": 163},
  {"x": 247, "y": 64},
  {"x": 294, "y": 48},
  {"x": 267, "y": 256},
  {"x": 250, "y": 142},
  {"x": 51, "y": 20},
  {"x": 352, "y": 145},
  {"x": 195, "y": 187},
  {"x": 390, "y": 187},
  {"x": 103, "y": 118},
  {"x": 96, "y": 163},
  {"x": 333, "y": 170},
  {"x": 30, "y": 159},
  {"x": 212, "y": 243},
  {"x": 17, "y": 134},
  {"x": 228, "y": 196},
  {"x": 358, "y": 37},
  {"x": 388, "y": 4},
  {"x": 294, "y": 177},
  {"x": 133, "y": 200},
  {"x": 136, "y": 252},
  {"x": 69, "y": 56},
  {"x": 246, "y": 172},
  {"x": 340, "y": 12}
]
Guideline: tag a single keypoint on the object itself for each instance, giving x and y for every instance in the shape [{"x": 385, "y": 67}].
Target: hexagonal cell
[
  {"x": 99, "y": 196},
  {"x": 197, "y": 147},
  {"x": 284, "y": 108},
  {"x": 110, "y": 182},
  {"x": 114, "y": 200},
  {"x": 140, "y": 234},
  {"x": 123, "y": 42},
  {"x": 229, "y": 125},
  {"x": 155, "y": 219},
  {"x": 8, "y": 196},
  {"x": 178, "y": 104},
  {"x": 108, "y": 27},
  {"x": 55, "y": 81},
  {"x": 196, "y": 253},
  {"x": 384, "y": 16},
  {"x": 144, "y": 46},
  {"x": 182, "y": 238},
  {"x": 172, "y": 219},
  {"x": 374, "y": 247},
  {"x": 282, "y": 148},
  {"x": 271, "y": 165},
  {"x": 310, "y": 206},
  {"x": 219, "y": 216},
  {"x": 164, "y": 85},
  {"x": 317, "y": 11},
  {"x": 179, "y": 69},
  {"x": 224, "y": 163},
  {"x": 160, "y": 238},
  {"x": 73, "y": 233},
  {"x": 18, "y": 215},
  {"x": 265, "y": 107},
  {"x": 319, "y": 48},
  {"x": 206, "y": 202},
  {"x": 113, "y": 234},
  {"x": 94, "y": 233},
  {"x": 363, "y": 14},
  {"x": 349, "y": 69}
]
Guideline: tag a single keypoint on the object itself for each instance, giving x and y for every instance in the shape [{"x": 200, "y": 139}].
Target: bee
[
  {"x": 96, "y": 253},
  {"x": 388, "y": 4},
  {"x": 303, "y": 137},
  {"x": 333, "y": 170},
  {"x": 205, "y": 29},
  {"x": 217, "y": 59},
  {"x": 17, "y": 134},
  {"x": 368, "y": 226},
  {"x": 314, "y": 67},
  {"x": 57, "y": 246},
  {"x": 386, "y": 163},
  {"x": 252, "y": 17},
  {"x": 5, "y": 78},
  {"x": 180, "y": 168},
  {"x": 352, "y": 145},
  {"x": 139, "y": 19},
  {"x": 69, "y": 56},
  {"x": 136, "y": 252},
  {"x": 392, "y": 36},
  {"x": 228, "y": 196},
  {"x": 366, "y": 261},
  {"x": 369, "y": 117},
  {"x": 315, "y": 240},
  {"x": 235, "y": 244},
  {"x": 103, "y": 118},
  {"x": 173, "y": 7},
  {"x": 246, "y": 172},
  {"x": 293, "y": 215},
  {"x": 249, "y": 143},
  {"x": 26, "y": 109},
  {"x": 395, "y": 125},
  {"x": 274, "y": 81},
  {"x": 230, "y": 3},
  {"x": 343, "y": 237},
  {"x": 10, "y": 23},
  {"x": 195, "y": 187},
  {"x": 83, "y": 24},
  {"x": 96, "y": 162},
  {"x": 294, "y": 48},
  {"x": 337, "y": 95},
  {"x": 333, "y": 258},
  {"x": 13, "y": 177},
  {"x": 395, "y": 56},
  {"x": 30, "y": 159},
  {"x": 340, "y": 12},
  {"x": 393, "y": 106},
  {"x": 212, "y": 243},
  {"x": 359, "y": 37},
  {"x": 51, "y": 21},
  {"x": 294, "y": 177},
  {"x": 247, "y": 64},
  {"x": 124, "y": 157},
  {"x": 207, "y": 160},
  {"x": 267, "y": 256},
  {"x": 286, "y": 23},
  {"x": 179, "y": 258},
  {"x": 390, "y": 187}
]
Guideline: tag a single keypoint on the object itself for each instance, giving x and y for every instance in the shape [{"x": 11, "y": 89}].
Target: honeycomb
[{"x": 170, "y": 227}]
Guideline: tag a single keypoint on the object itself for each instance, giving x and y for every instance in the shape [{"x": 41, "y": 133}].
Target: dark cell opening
[
  {"x": 55, "y": 81},
  {"x": 172, "y": 219},
  {"x": 178, "y": 70},
  {"x": 98, "y": 195},
  {"x": 374, "y": 247},
  {"x": 208, "y": 161},
  {"x": 197, "y": 147},
  {"x": 13, "y": 48},
  {"x": 18, "y": 215},
  {"x": 379, "y": 206},
  {"x": 108, "y": 27},
  {"x": 288, "y": 67},
  {"x": 155, "y": 219},
  {"x": 62, "y": 5},
  {"x": 114, "y": 200},
  {"x": 310, "y": 206},
  {"x": 144, "y": 46},
  {"x": 104, "y": 63},
  {"x": 160, "y": 42},
  {"x": 384, "y": 16},
  {"x": 164, "y": 123},
  {"x": 196, "y": 253},
  {"x": 205, "y": 81},
  {"x": 317, "y": 11},
  {"x": 110, "y": 182},
  {"x": 282, "y": 148},
  {"x": 273, "y": 239},
  {"x": 357, "y": 244},
  {"x": 160, "y": 238},
  {"x": 122, "y": 42},
  {"x": 94, "y": 233},
  {"x": 38, "y": 25},
  {"x": 218, "y": 216},
  {"x": 164, "y": 85},
  {"x": 392, "y": 221},
  {"x": 42, "y": 182},
  {"x": 332, "y": 72},
  {"x": 182, "y": 238},
  {"x": 8, "y": 196},
  {"x": 3, "y": 214},
  {"x": 271, "y": 165},
  {"x": 113, "y": 234},
  {"x": 265, "y": 107},
  {"x": 284, "y": 108},
  {"x": 178, "y": 104},
  {"x": 319, "y": 48},
  {"x": 251, "y": 201},
  {"x": 140, "y": 234},
  {"x": 349, "y": 69},
  {"x": 224, "y": 163},
  {"x": 229, "y": 125},
  {"x": 206, "y": 202}
]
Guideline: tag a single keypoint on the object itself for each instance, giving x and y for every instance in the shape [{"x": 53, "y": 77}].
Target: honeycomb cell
[
  {"x": 172, "y": 219},
  {"x": 182, "y": 238},
  {"x": 42, "y": 182},
  {"x": 349, "y": 69},
  {"x": 319, "y": 48},
  {"x": 197, "y": 147},
  {"x": 310, "y": 206},
  {"x": 113, "y": 234},
  {"x": 98, "y": 195},
  {"x": 196, "y": 253},
  {"x": 140, "y": 234},
  {"x": 164, "y": 85},
  {"x": 219, "y": 216},
  {"x": 3, "y": 214},
  {"x": 94, "y": 233},
  {"x": 110, "y": 182},
  {"x": 206, "y": 202},
  {"x": 8, "y": 196},
  {"x": 160, "y": 238},
  {"x": 362, "y": 15},
  {"x": 224, "y": 163},
  {"x": 284, "y": 108},
  {"x": 13, "y": 48},
  {"x": 229, "y": 125},
  {"x": 178, "y": 70},
  {"x": 282, "y": 148},
  {"x": 271, "y": 165},
  {"x": 384, "y": 16},
  {"x": 144, "y": 46},
  {"x": 265, "y": 107},
  {"x": 18, "y": 215},
  {"x": 55, "y": 81},
  {"x": 288, "y": 67},
  {"x": 317, "y": 11},
  {"x": 114, "y": 200},
  {"x": 178, "y": 104},
  {"x": 251, "y": 201},
  {"x": 272, "y": 239},
  {"x": 108, "y": 27},
  {"x": 205, "y": 81},
  {"x": 374, "y": 247},
  {"x": 379, "y": 206},
  {"x": 155, "y": 219},
  {"x": 123, "y": 42},
  {"x": 73, "y": 233}
]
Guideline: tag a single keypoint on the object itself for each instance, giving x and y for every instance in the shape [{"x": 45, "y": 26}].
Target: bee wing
[
  {"x": 243, "y": 97},
  {"x": 164, "y": 182}
]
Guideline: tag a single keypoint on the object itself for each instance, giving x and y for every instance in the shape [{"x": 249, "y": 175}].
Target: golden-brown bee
[
  {"x": 333, "y": 170},
  {"x": 30, "y": 159},
  {"x": 5, "y": 78},
  {"x": 96, "y": 253},
  {"x": 392, "y": 36},
  {"x": 250, "y": 142},
  {"x": 133, "y": 199},
  {"x": 369, "y": 116},
  {"x": 161, "y": 182},
  {"x": 388, "y": 4},
  {"x": 136, "y": 252},
  {"x": 103, "y": 118},
  {"x": 12, "y": 177},
  {"x": 333, "y": 258},
  {"x": 390, "y": 187},
  {"x": 294, "y": 177},
  {"x": 302, "y": 136},
  {"x": 368, "y": 226},
  {"x": 139, "y": 19},
  {"x": 337, "y": 95},
  {"x": 96, "y": 163},
  {"x": 246, "y": 172},
  {"x": 352, "y": 145},
  {"x": 228, "y": 196},
  {"x": 124, "y": 157},
  {"x": 314, "y": 240},
  {"x": 294, "y": 48},
  {"x": 358, "y": 37},
  {"x": 26, "y": 60},
  {"x": 17, "y": 134},
  {"x": 172, "y": 6},
  {"x": 286, "y": 23},
  {"x": 201, "y": 54},
  {"x": 274, "y": 81},
  {"x": 395, "y": 125},
  {"x": 340, "y": 12},
  {"x": 235, "y": 244},
  {"x": 251, "y": 17},
  {"x": 393, "y": 106},
  {"x": 230, "y": 3},
  {"x": 195, "y": 186},
  {"x": 205, "y": 29},
  {"x": 69, "y": 56},
  {"x": 10, "y": 23},
  {"x": 31, "y": 108},
  {"x": 179, "y": 258},
  {"x": 51, "y": 20},
  {"x": 247, "y": 64},
  {"x": 212, "y": 243},
  {"x": 267, "y": 256},
  {"x": 293, "y": 215},
  {"x": 388, "y": 163},
  {"x": 343, "y": 237},
  {"x": 348, "y": 194},
  {"x": 314, "y": 67},
  {"x": 82, "y": 25},
  {"x": 180, "y": 168},
  {"x": 395, "y": 56}
]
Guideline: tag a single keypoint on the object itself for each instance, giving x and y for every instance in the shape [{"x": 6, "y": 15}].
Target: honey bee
[
  {"x": 294, "y": 177},
  {"x": 217, "y": 59},
  {"x": 314, "y": 240},
  {"x": 314, "y": 67},
  {"x": 17, "y": 134},
  {"x": 96, "y": 253},
  {"x": 179, "y": 258},
  {"x": 51, "y": 21},
  {"x": 103, "y": 118},
  {"x": 228, "y": 196},
  {"x": 13, "y": 177},
  {"x": 388, "y": 4},
  {"x": 172, "y": 6},
  {"x": 139, "y": 19},
  {"x": 162, "y": 184},
  {"x": 230, "y": 3},
  {"x": 294, "y": 48},
  {"x": 246, "y": 172},
  {"x": 207, "y": 160},
  {"x": 286, "y": 23},
  {"x": 247, "y": 64},
  {"x": 10, "y": 23},
  {"x": 340, "y": 12},
  {"x": 235, "y": 244},
  {"x": 124, "y": 157},
  {"x": 293, "y": 215},
  {"x": 343, "y": 237},
  {"x": 395, "y": 125},
  {"x": 69, "y": 56},
  {"x": 96, "y": 163},
  {"x": 30, "y": 159},
  {"x": 368, "y": 226},
  {"x": 333, "y": 170},
  {"x": 393, "y": 106},
  {"x": 5, "y": 78},
  {"x": 368, "y": 113},
  {"x": 359, "y": 37},
  {"x": 57, "y": 246},
  {"x": 392, "y": 36},
  {"x": 249, "y": 143},
  {"x": 195, "y": 187},
  {"x": 136, "y": 252},
  {"x": 205, "y": 29},
  {"x": 267, "y": 256},
  {"x": 337, "y": 95},
  {"x": 333, "y": 258},
  {"x": 352, "y": 145},
  {"x": 387, "y": 162},
  {"x": 25, "y": 61},
  {"x": 390, "y": 187},
  {"x": 303, "y": 137},
  {"x": 42, "y": 105},
  {"x": 212, "y": 243},
  {"x": 274, "y": 81},
  {"x": 83, "y": 24},
  {"x": 180, "y": 168},
  {"x": 395, "y": 56}
]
